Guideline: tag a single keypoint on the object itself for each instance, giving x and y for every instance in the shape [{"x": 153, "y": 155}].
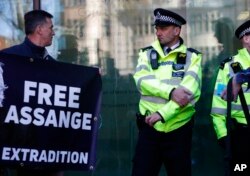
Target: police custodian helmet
[
  {"x": 243, "y": 29},
  {"x": 164, "y": 17}
]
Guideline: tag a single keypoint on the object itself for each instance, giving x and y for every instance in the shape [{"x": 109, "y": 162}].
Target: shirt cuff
[
  {"x": 170, "y": 95},
  {"x": 162, "y": 119}
]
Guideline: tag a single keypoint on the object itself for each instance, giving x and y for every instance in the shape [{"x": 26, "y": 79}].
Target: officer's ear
[
  {"x": 177, "y": 30},
  {"x": 246, "y": 39}
]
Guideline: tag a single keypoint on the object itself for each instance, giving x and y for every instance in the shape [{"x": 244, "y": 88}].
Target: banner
[{"x": 48, "y": 114}]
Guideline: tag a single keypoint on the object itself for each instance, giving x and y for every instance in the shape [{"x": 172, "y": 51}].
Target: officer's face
[
  {"x": 245, "y": 40},
  {"x": 167, "y": 35}
]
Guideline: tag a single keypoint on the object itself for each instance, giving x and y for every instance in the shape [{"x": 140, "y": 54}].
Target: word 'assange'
[{"x": 57, "y": 96}]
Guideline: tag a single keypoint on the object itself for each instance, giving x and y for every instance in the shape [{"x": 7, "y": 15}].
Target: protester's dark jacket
[{"x": 28, "y": 49}]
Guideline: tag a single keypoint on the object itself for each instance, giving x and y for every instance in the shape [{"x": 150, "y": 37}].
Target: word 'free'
[{"x": 57, "y": 95}]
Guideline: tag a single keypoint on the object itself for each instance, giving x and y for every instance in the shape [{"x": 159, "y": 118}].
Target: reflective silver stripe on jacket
[
  {"x": 148, "y": 77},
  {"x": 171, "y": 81},
  {"x": 245, "y": 91},
  {"x": 142, "y": 67},
  {"x": 148, "y": 53},
  {"x": 159, "y": 100},
  {"x": 195, "y": 76},
  {"x": 188, "y": 60},
  {"x": 191, "y": 73},
  {"x": 154, "y": 99},
  {"x": 223, "y": 111}
]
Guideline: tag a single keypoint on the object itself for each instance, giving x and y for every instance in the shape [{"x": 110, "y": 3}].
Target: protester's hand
[
  {"x": 181, "y": 96},
  {"x": 153, "y": 118}
]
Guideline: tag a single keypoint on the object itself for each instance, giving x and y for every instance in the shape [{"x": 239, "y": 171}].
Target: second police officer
[{"x": 233, "y": 137}]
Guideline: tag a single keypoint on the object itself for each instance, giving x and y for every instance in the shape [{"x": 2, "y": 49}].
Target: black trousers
[
  {"x": 240, "y": 151},
  {"x": 155, "y": 148}
]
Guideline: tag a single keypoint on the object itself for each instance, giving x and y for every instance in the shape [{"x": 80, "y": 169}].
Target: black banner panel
[{"x": 49, "y": 114}]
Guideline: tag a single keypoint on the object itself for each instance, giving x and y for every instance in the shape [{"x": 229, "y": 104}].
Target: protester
[{"x": 39, "y": 34}]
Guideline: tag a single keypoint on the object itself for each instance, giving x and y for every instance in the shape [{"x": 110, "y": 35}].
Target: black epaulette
[
  {"x": 222, "y": 64},
  {"x": 193, "y": 50},
  {"x": 146, "y": 48}
]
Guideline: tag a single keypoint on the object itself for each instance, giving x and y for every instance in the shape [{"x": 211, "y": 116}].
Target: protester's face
[
  {"x": 167, "y": 35},
  {"x": 47, "y": 32}
]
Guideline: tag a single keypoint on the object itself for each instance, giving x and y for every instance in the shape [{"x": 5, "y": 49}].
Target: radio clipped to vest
[
  {"x": 154, "y": 59},
  {"x": 180, "y": 61},
  {"x": 236, "y": 66}
]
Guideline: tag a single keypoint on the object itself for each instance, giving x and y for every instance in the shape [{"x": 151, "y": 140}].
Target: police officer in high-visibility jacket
[
  {"x": 168, "y": 77},
  {"x": 239, "y": 134}
]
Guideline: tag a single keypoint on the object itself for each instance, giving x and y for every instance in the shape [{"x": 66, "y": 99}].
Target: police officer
[
  {"x": 168, "y": 77},
  {"x": 239, "y": 134}
]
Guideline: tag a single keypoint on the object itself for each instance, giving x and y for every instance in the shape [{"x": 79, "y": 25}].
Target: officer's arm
[
  {"x": 192, "y": 83},
  {"x": 236, "y": 89},
  {"x": 181, "y": 96},
  {"x": 146, "y": 81},
  {"x": 219, "y": 106}
]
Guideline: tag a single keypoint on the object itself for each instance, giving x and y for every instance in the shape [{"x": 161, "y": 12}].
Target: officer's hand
[
  {"x": 224, "y": 94},
  {"x": 153, "y": 118},
  {"x": 181, "y": 96},
  {"x": 235, "y": 92},
  {"x": 236, "y": 89}
]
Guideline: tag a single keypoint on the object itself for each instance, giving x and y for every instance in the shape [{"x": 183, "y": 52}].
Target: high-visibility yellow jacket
[
  {"x": 155, "y": 85},
  {"x": 219, "y": 106}
]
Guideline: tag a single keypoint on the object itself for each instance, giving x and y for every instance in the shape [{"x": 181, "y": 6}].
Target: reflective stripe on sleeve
[
  {"x": 148, "y": 77},
  {"x": 154, "y": 99},
  {"x": 221, "y": 111},
  {"x": 174, "y": 82},
  {"x": 195, "y": 76},
  {"x": 142, "y": 67}
]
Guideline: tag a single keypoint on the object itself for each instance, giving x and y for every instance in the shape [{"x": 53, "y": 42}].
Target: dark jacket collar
[{"x": 35, "y": 49}]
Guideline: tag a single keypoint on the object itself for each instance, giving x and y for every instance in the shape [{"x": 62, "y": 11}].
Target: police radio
[
  {"x": 154, "y": 59},
  {"x": 236, "y": 66}
]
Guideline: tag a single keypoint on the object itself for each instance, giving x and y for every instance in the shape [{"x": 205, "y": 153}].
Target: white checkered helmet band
[
  {"x": 167, "y": 19},
  {"x": 244, "y": 32}
]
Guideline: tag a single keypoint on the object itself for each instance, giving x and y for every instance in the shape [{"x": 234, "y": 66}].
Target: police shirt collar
[
  {"x": 172, "y": 47},
  {"x": 179, "y": 43}
]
